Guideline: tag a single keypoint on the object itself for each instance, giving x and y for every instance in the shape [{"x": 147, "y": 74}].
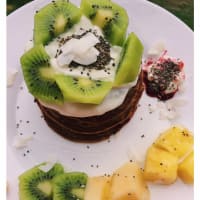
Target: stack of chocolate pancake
[{"x": 95, "y": 128}]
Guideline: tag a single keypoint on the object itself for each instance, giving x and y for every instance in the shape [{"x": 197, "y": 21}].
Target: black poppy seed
[
  {"x": 17, "y": 107},
  {"x": 141, "y": 118},
  {"x": 161, "y": 164},
  {"x": 82, "y": 72},
  {"x": 108, "y": 141},
  {"x": 108, "y": 73},
  {"x": 24, "y": 154},
  {"x": 150, "y": 112},
  {"x": 17, "y": 125},
  {"x": 87, "y": 146},
  {"x": 42, "y": 116},
  {"x": 129, "y": 194},
  {"x": 97, "y": 166},
  {"x": 34, "y": 132},
  {"x": 21, "y": 88},
  {"x": 27, "y": 121},
  {"x": 142, "y": 136},
  {"x": 113, "y": 64},
  {"x": 133, "y": 176},
  {"x": 36, "y": 11},
  {"x": 74, "y": 159},
  {"x": 20, "y": 121},
  {"x": 130, "y": 160},
  {"x": 55, "y": 97},
  {"x": 27, "y": 151},
  {"x": 91, "y": 165},
  {"x": 88, "y": 74},
  {"x": 70, "y": 70},
  {"x": 21, "y": 133}
]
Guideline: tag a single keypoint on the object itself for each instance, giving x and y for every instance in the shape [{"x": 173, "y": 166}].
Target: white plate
[{"x": 151, "y": 23}]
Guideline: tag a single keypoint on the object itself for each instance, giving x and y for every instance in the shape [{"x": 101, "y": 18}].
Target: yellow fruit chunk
[
  {"x": 186, "y": 169},
  {"x": 176, "y": 140},
  {"x": 97, "y": 188},
  {"x": 160, "y": 166},
  {"x": 128, "y": 183}
]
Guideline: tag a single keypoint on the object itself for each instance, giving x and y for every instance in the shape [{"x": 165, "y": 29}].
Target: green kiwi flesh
[
  {"x": 54, "y": 19},
  {"x": 70, "y": 186},
  {"x": 39, "y": 75},
  {"x": 109, "y": 16},
  {"x": 129, "y": 65},
  {"x": 36, "y": 184},
  {"x": 83, "y": 90}
]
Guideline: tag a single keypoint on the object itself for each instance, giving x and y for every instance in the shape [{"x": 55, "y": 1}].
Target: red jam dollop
[{"x": 163, "y": 76}]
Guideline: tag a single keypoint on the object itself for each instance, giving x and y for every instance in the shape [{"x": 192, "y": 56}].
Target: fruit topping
[
  {"x": 163, "y": 76},
  {"x": 70, "y": 186},
  {"x": 83, "y": 90},
  {"x": 170, "y": 156},
  {"x": 37, "y": 184},
  {"x": 109, "y": 16},
  {"x": 129, "y": 65},
  {"x": 54, "y": 19},
  {"x": 160, "y": 166},
  {"x": 39, "y": 75},
  {"x": 176, "y": 140},
  {"x": 186, "y": 169}
]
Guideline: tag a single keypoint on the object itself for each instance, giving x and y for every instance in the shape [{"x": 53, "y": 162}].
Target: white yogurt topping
[
  {"x": 82, "y": 51},
  {"x": 114, "y": 99}
]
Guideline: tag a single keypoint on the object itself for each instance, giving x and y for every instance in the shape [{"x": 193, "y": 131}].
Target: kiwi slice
[
  {"x": 39, "y": 75},
  {"x": 109, "y": 16},
  {"x": 54, "y": 19},
  {"x": 129, "y": 65},
  {"x": 36, "y": 184},
  {"x": 70, "y": 186},
  {"x": 83, "y": 90}
]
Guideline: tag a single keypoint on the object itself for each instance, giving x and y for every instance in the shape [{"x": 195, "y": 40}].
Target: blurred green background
[{"x": 183, "y": 9}]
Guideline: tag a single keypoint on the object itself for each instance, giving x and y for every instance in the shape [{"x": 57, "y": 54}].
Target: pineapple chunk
[
  {"x": 176, "y": 140},
  {"x": 186, "y": 169},
  {"x": 97, "y": 188},
  {"x": 128, "y": 183},
  {"x": 160, "y": 166}
]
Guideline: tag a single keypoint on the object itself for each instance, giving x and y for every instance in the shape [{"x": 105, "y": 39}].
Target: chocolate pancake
[{"x": 95, "y": 128}]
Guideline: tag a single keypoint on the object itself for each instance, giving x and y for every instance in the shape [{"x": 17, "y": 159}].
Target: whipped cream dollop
[{"x": 163, "y": 75}]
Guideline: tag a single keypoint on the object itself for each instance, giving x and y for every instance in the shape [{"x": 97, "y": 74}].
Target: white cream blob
[
  {"x": 82, "y": 51},
  {"x": 114, "y": 99}
]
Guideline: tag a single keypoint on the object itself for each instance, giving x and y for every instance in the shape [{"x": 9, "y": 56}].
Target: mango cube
[
  {"x": 160, "y": 166},
  {"x": 176, "y": 140},
  {"x": 128, "y": 183},
  {"x": 186, "y": 169},
  {"x": 97, "y": 188}
]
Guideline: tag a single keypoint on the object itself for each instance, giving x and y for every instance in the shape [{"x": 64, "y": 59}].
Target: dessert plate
[{"x": 152, "y": 24}]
